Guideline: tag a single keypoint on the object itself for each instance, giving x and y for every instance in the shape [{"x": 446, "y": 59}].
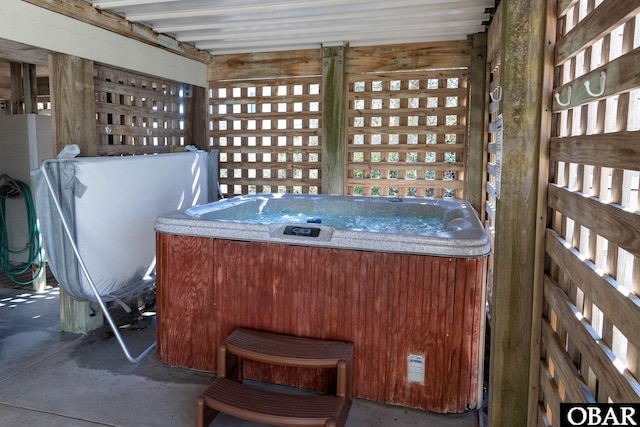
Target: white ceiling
[{"x": 241, "y": 26}]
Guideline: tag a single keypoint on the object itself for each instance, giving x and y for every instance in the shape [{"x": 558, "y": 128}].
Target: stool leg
[
  {"x": 343, "y": 379},
  {"x": 204, "y": 414},
  {"x": 229, "y": 365}
]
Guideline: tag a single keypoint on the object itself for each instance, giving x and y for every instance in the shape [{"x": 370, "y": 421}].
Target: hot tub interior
[
  {"x": 409, "y": 225},
  {"x": 392, "y": 215}
]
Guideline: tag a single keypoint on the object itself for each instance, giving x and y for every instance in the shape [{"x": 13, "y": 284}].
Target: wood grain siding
[{"x": 389, "y": 305}]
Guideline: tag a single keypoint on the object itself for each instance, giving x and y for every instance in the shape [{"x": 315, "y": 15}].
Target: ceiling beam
[
  {"x": 356, "y": 17},
  {"x": 84, "y": 12},
  {"x": 262, "y": 9}
]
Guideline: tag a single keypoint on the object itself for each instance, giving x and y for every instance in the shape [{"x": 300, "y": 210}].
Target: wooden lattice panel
[
  {"x": 137, "y": 114},
  {"x": 590, "y": 327},
  {"x": 406, "y": 133},
  {"x": 269, "y": 135}
]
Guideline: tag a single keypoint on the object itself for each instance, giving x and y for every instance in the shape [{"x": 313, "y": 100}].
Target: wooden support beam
[
  {"x": 195, "y": 117},
  {"x": 17, "y": 94},
  {"x": 30, "y": 88},
  {"x": 542, "y": 221},
  {"x": 523, "y": 60},
  {"x": 334, "y": 136},
  {"x": 72, "y": 92},
  {"x": 293, "y": 63},
  {"x": 85, "y": 12},
  {"x": 476, "y": 157}
]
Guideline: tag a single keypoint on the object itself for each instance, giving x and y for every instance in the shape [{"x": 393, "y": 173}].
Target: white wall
[
  {"x": 35, "y": 26},
  {"x": 25, "y": 141}
]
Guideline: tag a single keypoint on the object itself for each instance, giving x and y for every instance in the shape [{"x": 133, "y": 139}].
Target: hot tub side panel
[
  {"x": 185, "y": 303},
  {"x": 388, "y": 305}
]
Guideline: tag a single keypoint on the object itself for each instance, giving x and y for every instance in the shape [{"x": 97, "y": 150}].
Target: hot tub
[
  {"x": 401, "y": 225},
  {"x": 405, "y": 286}
]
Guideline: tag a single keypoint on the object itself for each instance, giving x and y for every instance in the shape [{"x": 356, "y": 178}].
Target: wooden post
[
  {"x": 30, "y": 88},
  {"x": 541, "y": 215},
  {"x": 475, "y": 149},
  {"x": 17, "y": 94},
  {"x": 334, "y": 137},
  {"x": 522, "y": 81},
  {"x": 74, "y": 122},
  {"x": 195, "y": 118}
]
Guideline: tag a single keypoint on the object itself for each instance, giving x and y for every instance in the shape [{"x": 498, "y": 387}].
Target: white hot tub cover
[{"x": 110, "y": 205}]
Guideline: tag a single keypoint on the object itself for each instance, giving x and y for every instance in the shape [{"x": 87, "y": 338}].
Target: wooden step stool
[{"x": 229, "y": 395}]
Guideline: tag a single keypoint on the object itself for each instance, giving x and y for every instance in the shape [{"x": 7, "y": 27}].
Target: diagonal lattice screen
[{"x": 590, "y": 335}]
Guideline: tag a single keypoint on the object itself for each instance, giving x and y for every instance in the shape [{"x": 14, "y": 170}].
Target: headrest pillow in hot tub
[{"x": 111, "y": 204}]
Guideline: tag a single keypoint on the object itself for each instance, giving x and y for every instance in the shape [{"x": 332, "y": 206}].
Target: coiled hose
[{"x": 10, "y": 189}]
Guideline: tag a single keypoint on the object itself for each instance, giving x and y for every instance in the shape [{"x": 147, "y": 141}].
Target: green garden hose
[{"x": 11, "y": 188}]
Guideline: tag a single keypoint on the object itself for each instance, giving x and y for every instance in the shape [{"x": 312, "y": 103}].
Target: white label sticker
[{"x": 415, "y": 368}]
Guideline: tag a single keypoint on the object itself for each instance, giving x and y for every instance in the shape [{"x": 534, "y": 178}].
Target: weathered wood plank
[
  {"x": 436, "y": 183},
  {"x": 368, "y": 59},
  {"x": 594, "y": 26},
  {"x": 259, "y": 82},
  {"x": 273, "y": 182},
  {"x": 407, "y": 166},
  {"x": 542, "y": 212},
  {"x": 271, "y": 149},
  {"x": 73, "y": 93},
  {"x": 299, "y": 115},
  {"x": 138, "y": 130},
  {"x": 17, "y": 89},
  {"x": 74, "y": 116},
  {"x": 565, "y": 5},
  {"x": 130, "y": 150},
  {"x": 395, "y": 112},
  {"x": 135, "y": 91},
  {"x": 391, "y": 130},
  {"x": 404, "y": 94},
  {"x": 30, "y": 88},
  {"x": 434, "y": 148},
  {"x": 272, "y": 165},
  {"x": 605, "y": 150},
  {"x": 494, "y": 36},
  {"x": 620, "y": 387},
  {"x": 85, "y": 12},
  {"x": 134, "y": 110},
  {"x": 266, "y": 64},
  {"x": 610, "y": 221},
  {"x": 410, "y": 74},
  {"x": 476, "y": 160},
  {"x": 623, "y": 310},
  {"x": 576, "y": 390},
  {"x": 245, "y": 133},
  {"x": 550, "y": 390},
  {"x": 523, "y": 55},
  {"x": 334, "y": 104},
  {"x": 622, "y": 74}
]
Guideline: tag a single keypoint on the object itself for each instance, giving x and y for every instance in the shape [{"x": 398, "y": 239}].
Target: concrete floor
[{"x": 57, "y": 379}]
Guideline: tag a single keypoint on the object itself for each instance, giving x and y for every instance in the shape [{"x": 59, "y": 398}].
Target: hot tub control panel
[{"x": 294, "y": 230}]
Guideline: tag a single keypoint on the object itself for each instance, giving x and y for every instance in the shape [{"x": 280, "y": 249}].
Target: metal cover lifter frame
[{"x": 196, "y": 179}]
